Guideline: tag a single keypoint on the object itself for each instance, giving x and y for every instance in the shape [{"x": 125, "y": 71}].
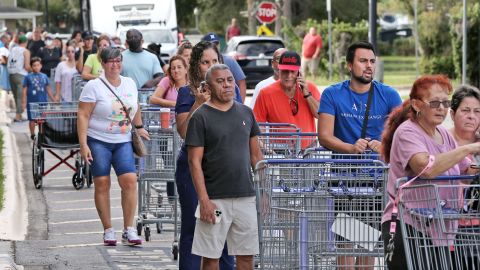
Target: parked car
[{"x": 254, "y": 55}]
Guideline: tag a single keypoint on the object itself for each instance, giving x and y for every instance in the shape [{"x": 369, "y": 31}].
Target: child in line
[{"x": 36, "y": 86}]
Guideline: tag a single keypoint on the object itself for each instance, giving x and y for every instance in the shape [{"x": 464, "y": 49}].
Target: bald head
[{"x": 276, "y": 58}]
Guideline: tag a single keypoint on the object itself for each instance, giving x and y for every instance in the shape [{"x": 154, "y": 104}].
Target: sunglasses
[
  {"x": 436, "y": 103},
  {"x": 293, "y": 106}
]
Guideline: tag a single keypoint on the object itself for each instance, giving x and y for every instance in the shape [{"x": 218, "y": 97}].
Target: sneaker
[
  {"x": 130, "y": 237},
  {"x": 109, "y": 237},
  {"x": 32, "y": 137}
]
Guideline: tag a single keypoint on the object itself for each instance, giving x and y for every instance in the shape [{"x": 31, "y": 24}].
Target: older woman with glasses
[
  {"x": 416, "y": 144},
  {"x": 107, "y": 110},
  {"x": 63, "y": 75}
]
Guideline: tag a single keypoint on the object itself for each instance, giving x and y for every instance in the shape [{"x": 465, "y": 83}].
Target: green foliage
[
  {"x": 215, "y": 15},
  {"x": 342, "y": 35},
  {"x": 57, "y": 10},
  {"x": 473, "y": 43}
]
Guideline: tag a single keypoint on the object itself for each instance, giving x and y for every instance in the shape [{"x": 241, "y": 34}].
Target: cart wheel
[
  {"x": 139, "y": 228},
  {"x": 159, "y": 227},
  {"x": 147, "y": 233},
  {"x": 37, "y": 180},
  {"x": 77, "y": 181},
  {"x": 175, "y": 251}
]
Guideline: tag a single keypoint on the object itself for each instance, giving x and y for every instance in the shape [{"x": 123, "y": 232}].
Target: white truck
[{"x": 156, "y": 19}]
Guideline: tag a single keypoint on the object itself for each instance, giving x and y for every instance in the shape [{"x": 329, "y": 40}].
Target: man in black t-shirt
[
  {"x": 223, "y": 147},
  {"x": 87, "y": 47},
  {"x": 36, "y": 42}
]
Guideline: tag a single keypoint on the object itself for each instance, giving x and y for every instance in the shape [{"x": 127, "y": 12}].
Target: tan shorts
[
  {"x": 310, "y": 64},
  {"x": 238, "y": 225}
]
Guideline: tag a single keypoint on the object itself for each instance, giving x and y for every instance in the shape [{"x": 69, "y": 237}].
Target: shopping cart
[
  {"x": 157, "y": 197},
  {"x": 77, "y": 86},
  {"x": 57, "y": 130},
  {"x": 278, "y": 127},
  {"x": 144, "y": 95},
  {"x": 314, "y": 213},
  {"x": 322, "y": 153},
  {"x": 439, "y": 223},
  {"x": 280, "y": 145}
]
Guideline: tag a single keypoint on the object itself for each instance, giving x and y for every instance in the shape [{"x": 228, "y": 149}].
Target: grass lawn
[{"x": 2, "y": 177}]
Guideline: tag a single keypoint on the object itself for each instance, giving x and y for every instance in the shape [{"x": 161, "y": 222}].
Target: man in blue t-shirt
[{"x": 343, "y": 105}]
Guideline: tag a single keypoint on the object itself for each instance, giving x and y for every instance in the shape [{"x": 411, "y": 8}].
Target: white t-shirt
[
  {"x": 108, "y": 122},
  {"x": 63, "y": 75},
  {"x": 259, "y": 87}
]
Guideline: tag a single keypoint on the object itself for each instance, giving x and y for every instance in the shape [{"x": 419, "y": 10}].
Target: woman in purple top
[
  {"x": 167, "y": 89},
  {"x": 412, "y": 134}
]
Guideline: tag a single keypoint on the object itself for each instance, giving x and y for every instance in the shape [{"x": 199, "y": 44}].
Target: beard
[{"x": 361, "y": 79}]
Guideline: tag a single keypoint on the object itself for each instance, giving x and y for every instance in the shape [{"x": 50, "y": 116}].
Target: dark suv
[{"x": 254, "y": 55}]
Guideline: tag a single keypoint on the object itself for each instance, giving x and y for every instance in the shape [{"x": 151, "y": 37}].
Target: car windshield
[
  {"x": 155, "y": 36},
  {"x": 255, "y": 48}
]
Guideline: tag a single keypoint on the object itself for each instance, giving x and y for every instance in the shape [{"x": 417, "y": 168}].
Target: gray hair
[
  {"x": 110, "y": 53},
  {"x": 213, "y": 68}
]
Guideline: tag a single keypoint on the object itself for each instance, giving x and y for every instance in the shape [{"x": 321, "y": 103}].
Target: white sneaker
[
  {"x": 130, "y": 237},
  {"x": 109, "y": 237}
]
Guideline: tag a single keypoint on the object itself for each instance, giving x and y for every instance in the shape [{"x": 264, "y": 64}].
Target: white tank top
[{"x": 16, "y": 61}]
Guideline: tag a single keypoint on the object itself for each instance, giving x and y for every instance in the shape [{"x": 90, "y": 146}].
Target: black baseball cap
[
  {"x": 87, "y": 35},
  {"x": 289, "y": 61}
]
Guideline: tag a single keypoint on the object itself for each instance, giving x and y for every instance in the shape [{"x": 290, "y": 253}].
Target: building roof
[{"x": 17, "y": 13}]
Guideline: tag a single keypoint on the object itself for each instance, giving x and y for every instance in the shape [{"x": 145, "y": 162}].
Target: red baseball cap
[{"x": 289, "y": 61}]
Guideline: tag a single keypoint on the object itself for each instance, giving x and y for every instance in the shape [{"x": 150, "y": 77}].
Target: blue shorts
[{"x": 105, "y": 155}]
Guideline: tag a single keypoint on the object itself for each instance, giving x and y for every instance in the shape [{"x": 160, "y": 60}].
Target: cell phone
[
  {"x": 202, "y": 86},
  {"x": 218, "y": 214},
  {"x": 299, "y": 74}
]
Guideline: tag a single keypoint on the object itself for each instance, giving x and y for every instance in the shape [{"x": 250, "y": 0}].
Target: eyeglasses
[
  {"x": 436, "y": 103},
  {"x": 116, "y": 61},
  {"x": 293, "y": 106}
]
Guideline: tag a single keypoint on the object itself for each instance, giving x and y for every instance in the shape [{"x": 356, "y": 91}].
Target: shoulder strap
[
  {"x": 367, "y": 111},
  {"x": 121, "y": 102}
]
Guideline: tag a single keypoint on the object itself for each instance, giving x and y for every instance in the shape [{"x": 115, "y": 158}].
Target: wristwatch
[
  {"x": 139, "y": 126},
  {"x": 307, "y": 95}
]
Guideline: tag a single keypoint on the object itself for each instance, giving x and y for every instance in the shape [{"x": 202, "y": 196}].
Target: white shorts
[{"x": 238, "y": 225}]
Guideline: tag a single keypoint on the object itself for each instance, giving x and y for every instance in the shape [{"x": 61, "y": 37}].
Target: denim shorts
[{"x": 105, "y": 155}]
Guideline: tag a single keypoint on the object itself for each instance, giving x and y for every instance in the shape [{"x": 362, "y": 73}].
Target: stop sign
[{"x": 266, "y": 12}]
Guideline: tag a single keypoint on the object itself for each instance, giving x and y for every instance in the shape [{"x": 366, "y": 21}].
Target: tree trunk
[
  {"x": 278, "y": 22},
  {"x": 287, "y": 9},
  {"x": 251, "y": 18}
]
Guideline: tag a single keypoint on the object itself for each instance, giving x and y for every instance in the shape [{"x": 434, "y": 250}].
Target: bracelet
[
  {"x": 139, "y": 126},
  {"x": 307, "y": 95}
]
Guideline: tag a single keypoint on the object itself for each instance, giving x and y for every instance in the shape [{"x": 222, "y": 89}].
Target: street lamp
[{"x": 196, "y": 11}]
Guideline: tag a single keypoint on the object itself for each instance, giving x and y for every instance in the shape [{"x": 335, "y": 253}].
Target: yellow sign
[{"x": 264, "y": 31}]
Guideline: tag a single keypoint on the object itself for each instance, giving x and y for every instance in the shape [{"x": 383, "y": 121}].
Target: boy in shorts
[{"x": 36, "y": 86}]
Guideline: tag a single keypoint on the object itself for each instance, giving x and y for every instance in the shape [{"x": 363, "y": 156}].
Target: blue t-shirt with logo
[
  {"x": 348, "y": 107},
  {"x": 36, "y": 84}
]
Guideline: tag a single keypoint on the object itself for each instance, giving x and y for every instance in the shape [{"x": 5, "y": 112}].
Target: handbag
[{"x": 137, "y": 143}]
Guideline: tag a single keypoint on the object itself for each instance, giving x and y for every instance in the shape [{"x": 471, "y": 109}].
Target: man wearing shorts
[
  {"x": 311, "y": 48},
  {"x": 222, "y": 141}
]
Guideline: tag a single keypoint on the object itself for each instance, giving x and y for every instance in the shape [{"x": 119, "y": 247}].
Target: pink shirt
[
  {"x": 408, "y": 140},
  {"x": 171, "y": 92}
]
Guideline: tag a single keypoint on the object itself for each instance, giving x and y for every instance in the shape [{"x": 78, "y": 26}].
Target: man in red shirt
[
  {"x": 291, "y": 99},
  {"x": 311, "y": 48},
  {"x": 233, "y": 30}
]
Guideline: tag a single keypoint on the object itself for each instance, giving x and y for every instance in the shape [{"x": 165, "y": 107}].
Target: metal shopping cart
[
  {"x": 57, "y": 130},
  {"x": 77, "y": 86},
  {"x": 439, "y": 220},
  {"x": 157, "y": 197},
  {"x": 278, "y": 127},
  {"x": 322, "y": 153},
  {"x": 280, "y": 145},
  {"x": 144, "y": 95},
  {"x": 318, "y": 213}
]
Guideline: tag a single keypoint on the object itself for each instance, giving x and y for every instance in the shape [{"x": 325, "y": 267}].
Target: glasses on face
[
  {"x": 293, "y": 106},
  {"x": 436, "y": 103},
  {"x": 114, "y": 61}
]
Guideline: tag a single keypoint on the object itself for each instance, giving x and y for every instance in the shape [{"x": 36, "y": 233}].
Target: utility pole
[
  {"x": 330, "y": 49},
  {"x": 251, "y": 18},
  {"x": 47, "y": 24},
  {"x": 372, "y": 23},
  {"x": 464, "y": 43}
]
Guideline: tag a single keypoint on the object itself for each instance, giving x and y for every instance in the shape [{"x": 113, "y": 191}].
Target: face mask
[{"x": 48, "y": 42}]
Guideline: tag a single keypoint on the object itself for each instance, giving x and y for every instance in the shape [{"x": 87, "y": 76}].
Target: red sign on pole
[{"x": 266, "y": 12}]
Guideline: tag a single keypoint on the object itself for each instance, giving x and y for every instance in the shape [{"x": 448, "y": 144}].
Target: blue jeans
[
  {"x": 105, "y": 155},
  {"x": 188, "y": 204}
]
